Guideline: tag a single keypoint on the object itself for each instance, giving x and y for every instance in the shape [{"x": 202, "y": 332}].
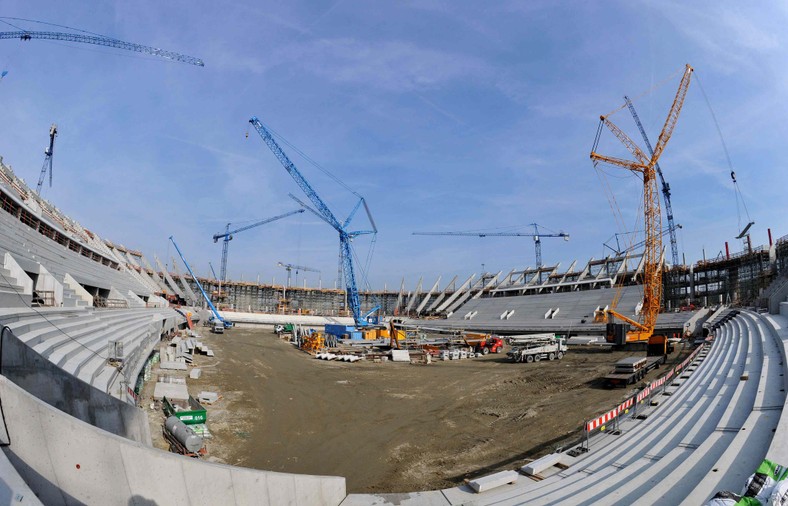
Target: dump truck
[
  {"x": 548, "y": 348},
  {"x": 632, "y": 369}
]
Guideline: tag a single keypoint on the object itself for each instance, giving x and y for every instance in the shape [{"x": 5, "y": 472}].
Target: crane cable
[
  {"x": 311, "y": 161},
  {"x": 648, "y": 91},
  {"x": 736, "y": 191},
  {"x": 45, "y": 23}
]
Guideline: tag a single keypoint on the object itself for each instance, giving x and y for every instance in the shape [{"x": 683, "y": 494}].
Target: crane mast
[
  {"x": 290, "y": 267},
  {"x": 674, "y": 249},
  {"x": 646, "y": 167}
]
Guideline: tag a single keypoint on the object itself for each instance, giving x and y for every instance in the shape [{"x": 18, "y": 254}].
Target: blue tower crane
[
  {"x": 227, "y": 236},
  {"x": 290, "y": 267},
  {"x": 47, "y": 167},
  {"x": 227, "y": 323},
  {"x": 536, "y": 235},
  {"x": 100, "y": 40},
  {"x": 324, "y": 213},
  {"x": 674, "y": 249}
]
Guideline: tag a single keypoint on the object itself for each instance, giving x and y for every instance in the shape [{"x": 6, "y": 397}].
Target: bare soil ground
[{"x": 391, "y": 427}]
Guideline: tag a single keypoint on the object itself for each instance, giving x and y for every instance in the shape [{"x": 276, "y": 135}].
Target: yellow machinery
[
  {"x": 642, "y": 331},
  {"x": 313, "y": 343}
]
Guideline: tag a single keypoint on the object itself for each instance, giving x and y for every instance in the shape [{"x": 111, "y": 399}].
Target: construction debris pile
[{"x": 184, "y": 424}]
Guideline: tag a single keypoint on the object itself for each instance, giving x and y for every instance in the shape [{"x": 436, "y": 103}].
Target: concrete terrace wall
[
  {"x": 40, "y": 377},
  {"x": 66, "y": 461}
]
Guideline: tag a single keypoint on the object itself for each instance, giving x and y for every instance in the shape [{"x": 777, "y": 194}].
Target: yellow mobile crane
[{"x": 632, "y": 331}]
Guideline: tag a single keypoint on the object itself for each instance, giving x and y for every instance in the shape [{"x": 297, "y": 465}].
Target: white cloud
[{"x": 392, "y": 66}]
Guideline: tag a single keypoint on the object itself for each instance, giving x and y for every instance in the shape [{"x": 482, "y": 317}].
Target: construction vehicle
[
  {"x": 286, "y": 328},
  {"x": 540, "y": 348},
  {"x": 632, "y": 369},
  {"x": 632, "y": 332},
  {"x": 483, "y": 343}
]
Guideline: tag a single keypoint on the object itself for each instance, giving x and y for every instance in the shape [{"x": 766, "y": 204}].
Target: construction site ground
[{"x": 391, "y": 427}]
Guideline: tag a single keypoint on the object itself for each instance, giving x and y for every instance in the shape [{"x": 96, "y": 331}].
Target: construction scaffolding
[
  {"x": 781, "y": 252},
  {"x": 737, "y": 279}
]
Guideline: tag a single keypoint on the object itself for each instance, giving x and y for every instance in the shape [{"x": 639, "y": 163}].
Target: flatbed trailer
[{"x": 631, "y": 370}]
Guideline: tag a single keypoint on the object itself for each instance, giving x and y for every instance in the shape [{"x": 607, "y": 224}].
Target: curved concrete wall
[{"x": 67, "y": 461}]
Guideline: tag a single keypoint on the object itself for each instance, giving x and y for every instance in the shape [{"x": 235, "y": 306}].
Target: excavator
[{"x": 622, "y": 330}]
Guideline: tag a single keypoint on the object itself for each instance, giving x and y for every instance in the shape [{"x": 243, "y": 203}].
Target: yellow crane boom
[{"x": 644, "y": 165}]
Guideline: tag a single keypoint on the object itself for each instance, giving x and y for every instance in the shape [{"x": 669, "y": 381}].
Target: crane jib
[{"x": 99, "y": 40}]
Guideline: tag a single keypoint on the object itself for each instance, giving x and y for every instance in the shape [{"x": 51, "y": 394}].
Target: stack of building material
[
  {"x": 207, "y": 397},
  {"x": 400, "y": 356},
  {"x": 174, "y": 391},
  {"x": 173, "y": 366},
  {"x": 201, "y": 430}
]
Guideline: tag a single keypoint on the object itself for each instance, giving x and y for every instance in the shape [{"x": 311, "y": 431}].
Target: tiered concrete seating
[
  {"x": 29, "y": 247},
  {"x": 77, "y": 339},
  {"x": 575, "y": 311}
]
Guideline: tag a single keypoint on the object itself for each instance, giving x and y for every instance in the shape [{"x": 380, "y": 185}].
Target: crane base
[{"x": 637, "y": 346}]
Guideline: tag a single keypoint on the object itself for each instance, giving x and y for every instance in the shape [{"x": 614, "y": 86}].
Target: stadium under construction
[{"x": 129, "y": 379}]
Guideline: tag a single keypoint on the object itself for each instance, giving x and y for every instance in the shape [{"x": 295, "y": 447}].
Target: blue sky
[{"x": 445, "y": 115}]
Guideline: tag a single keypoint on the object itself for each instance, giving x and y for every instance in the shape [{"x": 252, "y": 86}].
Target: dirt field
[{"x": 391, "y": 427}]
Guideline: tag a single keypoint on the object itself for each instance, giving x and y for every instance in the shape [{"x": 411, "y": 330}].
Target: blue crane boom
[
  {"x": 227, "y": 236},
  {"x": 215, "y": 312},
  {"x": 100, "y": 40},
  {"x": 323, "y": 211},
  {"x": 536, "y": 235},
  {"x": 674, "y": 249},
  {"x": 47, "y": 167}
]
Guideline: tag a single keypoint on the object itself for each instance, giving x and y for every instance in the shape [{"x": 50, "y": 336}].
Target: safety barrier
[{"x": 630, "y": 405}]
